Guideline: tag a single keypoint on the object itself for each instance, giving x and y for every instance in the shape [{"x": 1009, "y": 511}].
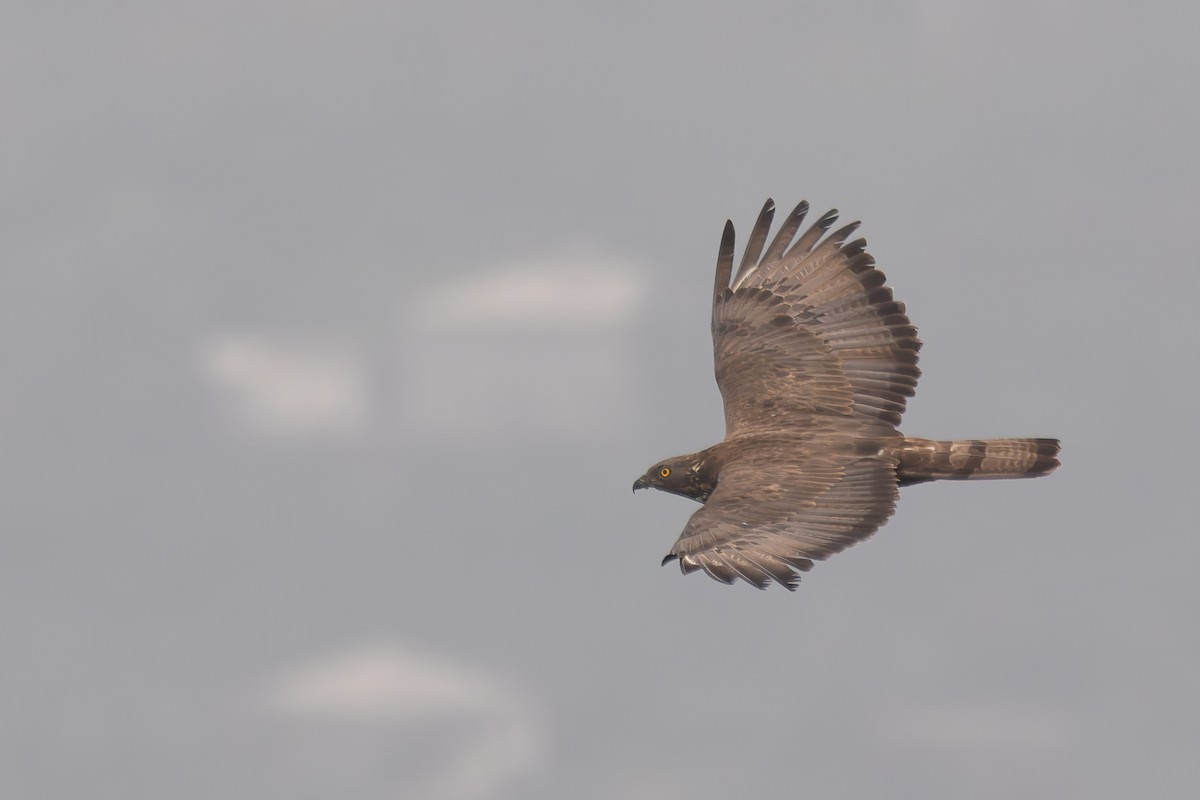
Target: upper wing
[
  {"x": 772, "y": 370},
  {"x": 808, "y": 327},
  {"x": 769, "y": 517}
]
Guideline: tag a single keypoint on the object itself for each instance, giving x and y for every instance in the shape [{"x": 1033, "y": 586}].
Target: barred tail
[{"x": 928, "y": 460}]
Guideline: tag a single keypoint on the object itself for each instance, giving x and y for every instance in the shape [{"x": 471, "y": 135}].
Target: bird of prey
[{"x": 815, "y": 361}]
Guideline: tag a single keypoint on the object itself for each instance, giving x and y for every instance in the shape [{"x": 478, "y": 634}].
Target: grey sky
[{"x": 334, "y": 334}]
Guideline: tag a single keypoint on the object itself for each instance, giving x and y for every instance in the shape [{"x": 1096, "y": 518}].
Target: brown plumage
[{"x": 815, "y": 361}]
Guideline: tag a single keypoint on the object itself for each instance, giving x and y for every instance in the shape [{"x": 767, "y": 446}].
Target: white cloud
[
  {"x": 568, "y": 292},
  {"x": 385, "y": 682},
  {"x": 288, "y": 388},
  {"x": 543, "y": 347},
  {"x": 388, "y": 685},
  {"x": 572, "y": 388}
]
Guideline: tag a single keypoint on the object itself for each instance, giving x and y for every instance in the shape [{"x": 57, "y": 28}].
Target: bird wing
[
  {"x": 772, "y": 514},
  {"x": 808, "y": 327},
  {"x": 773, "y": 373}
]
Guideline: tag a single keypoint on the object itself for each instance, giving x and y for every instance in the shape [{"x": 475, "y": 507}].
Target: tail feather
[{"x": 928, "y": 460}]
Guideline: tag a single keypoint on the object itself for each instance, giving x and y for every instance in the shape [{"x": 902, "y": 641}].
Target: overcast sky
[{"x": 334, "y": 335}]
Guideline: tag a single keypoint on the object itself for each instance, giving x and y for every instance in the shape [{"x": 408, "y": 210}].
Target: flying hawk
[{"x": 815, "y": 361}]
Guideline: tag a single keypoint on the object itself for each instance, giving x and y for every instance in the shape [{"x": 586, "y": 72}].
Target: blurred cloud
[
  {"x": 387, "y": 684},
  {"x": 571, "y": 292},
  {"x": 287, "y": 389},
  {"x": 540, "y": 347}
]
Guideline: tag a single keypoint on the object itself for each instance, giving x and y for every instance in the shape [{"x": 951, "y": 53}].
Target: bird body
[{"x": 815, "y": 361}]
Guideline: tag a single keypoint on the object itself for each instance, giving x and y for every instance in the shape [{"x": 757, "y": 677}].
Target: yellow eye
[{"x": 665, "y": 472}]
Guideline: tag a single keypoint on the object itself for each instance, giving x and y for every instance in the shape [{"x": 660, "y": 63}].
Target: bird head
[{"x": 682, "y": 476}]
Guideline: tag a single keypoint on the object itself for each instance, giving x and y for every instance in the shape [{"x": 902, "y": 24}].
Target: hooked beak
[{"x": 641, "y": 483}]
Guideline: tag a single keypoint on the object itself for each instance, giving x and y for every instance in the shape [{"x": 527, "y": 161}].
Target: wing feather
[
  {"x": 853, "y": 352},
  {"x": 786, "y": 231},
  {"x": 762, "y": 523},
  {"x": 758, "y": 238},
  {"x": 724, "y": 265},
  {"x": 811, "y": 236}
]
